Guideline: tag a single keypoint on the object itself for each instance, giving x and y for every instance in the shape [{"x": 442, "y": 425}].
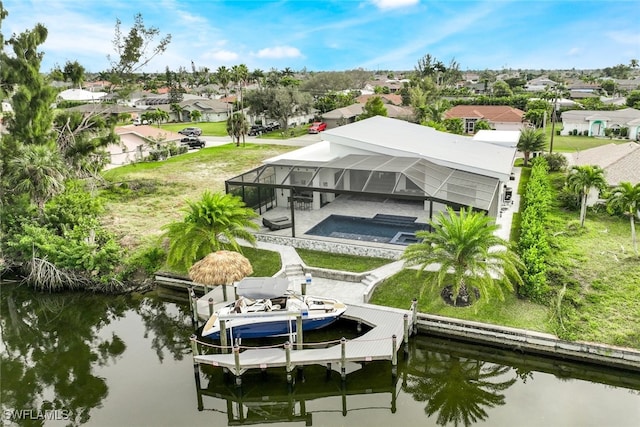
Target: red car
[{"x": 317, "y": 127}]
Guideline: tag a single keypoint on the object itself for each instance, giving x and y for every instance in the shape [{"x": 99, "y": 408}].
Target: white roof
[
  {"x": 507, "y": 138},
  {"x": 383, "y": 135},
  {"x": 80, "y": 95}
]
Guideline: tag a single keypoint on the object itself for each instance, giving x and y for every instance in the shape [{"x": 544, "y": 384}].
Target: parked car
[
  {"x": 191, "y": 131},
  {"x": 192, "y": 142},
  {"x": 274, "y": 125},
  {"x": 257, "y": 130},
  {"x": 317, "y": 127}
]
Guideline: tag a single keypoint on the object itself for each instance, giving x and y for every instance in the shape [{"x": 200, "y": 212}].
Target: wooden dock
[{"x": 390, "y": 329}]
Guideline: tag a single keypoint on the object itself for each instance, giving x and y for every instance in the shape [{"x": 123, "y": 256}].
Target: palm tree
[
  {"x": 626, "y": 197},
  {"x": 213, "y": 223},
  {"x": 237, "y": 126},
  {"x": 581, "y": 180},
  {"x": 531, "y": 140},
  {"x": 195, "y": 115},
  {"x": 468, "y": 253},
  {"x": 38, "y": 171}
]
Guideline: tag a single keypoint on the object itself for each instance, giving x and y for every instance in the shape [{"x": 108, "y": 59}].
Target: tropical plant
[
  {"x": 626, "y": 197},
  {"x": 195, "y": 115},
  {"x": 39, "y": 172},
  {"x": 467, "y": 254},
  {"x": 531, "y": 140},
  {"x": 214, "y": 222},
  {"x": 237, "y": 126},
  {"x": 580, "y": 180}
]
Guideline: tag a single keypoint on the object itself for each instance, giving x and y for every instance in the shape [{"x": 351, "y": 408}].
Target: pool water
[{"x": 394, "y": 229}]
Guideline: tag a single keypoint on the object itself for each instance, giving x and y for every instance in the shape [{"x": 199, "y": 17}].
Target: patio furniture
[{"x": 279, "y": 223}]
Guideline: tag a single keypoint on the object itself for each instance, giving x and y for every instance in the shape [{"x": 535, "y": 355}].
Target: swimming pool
[{"x": 394, "y": 229}]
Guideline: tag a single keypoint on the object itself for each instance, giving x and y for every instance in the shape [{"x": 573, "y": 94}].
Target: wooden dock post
[
  {"x": 193, "y": 299},
  {"x": 287, "y": 350},
  {"x": 236, "y": 358},
  {"x": 343, "y": 358},
  {"x": 196, "y": 370},
  {"x": 414, "y": 320},
  {"x": 223, "y": 335},
  {"x": 210, "y": 307},
  {"x": 394, "y": 357},
  {"x": 299, "y": 331},
  {"x": 406, "y": 335}
]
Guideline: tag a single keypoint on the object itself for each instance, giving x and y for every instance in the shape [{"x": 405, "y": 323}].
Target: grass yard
[
  {"x": 144, "y": 196},
  {"x": 570, "y": 144},
  {"x": 602, "y": 302},
  {"x": 400, "y": 289},
  {"x": 354, "y": 264},
  {"x": 208, "y": 128}
]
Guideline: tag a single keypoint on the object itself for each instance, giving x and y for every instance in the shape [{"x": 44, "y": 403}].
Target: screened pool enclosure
[{"x": 309, "y": 184}]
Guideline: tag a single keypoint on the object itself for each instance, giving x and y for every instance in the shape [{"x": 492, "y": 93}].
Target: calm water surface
[{"x": 126, "y": 361}]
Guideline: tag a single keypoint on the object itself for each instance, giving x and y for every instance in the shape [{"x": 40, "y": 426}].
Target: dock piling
[
  {"x": 210, "y": 307},
  {"x": 223, "y": 335},
  {"x": 287, "y": 349},
  {"x": 343, "y": 358},
  {"x": 394, "y": 357},
  {"x": 193, "y": 299},
  {"x": 406, "y": 335},
  {"x": 414, "y": 320},
  {"x": 236, "y": 358},
  {"x": 299, "y": 331}
]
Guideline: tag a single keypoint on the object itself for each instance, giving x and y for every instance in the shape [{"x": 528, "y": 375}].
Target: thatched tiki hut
[{"x": 220, "y": 268}]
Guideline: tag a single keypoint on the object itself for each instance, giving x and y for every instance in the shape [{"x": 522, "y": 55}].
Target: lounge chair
[{"x": 276, "y": 223}]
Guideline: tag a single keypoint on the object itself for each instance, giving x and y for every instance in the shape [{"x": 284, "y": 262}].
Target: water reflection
[
  {"x": 268, "y": 398},
  {"x": 457, "y": 389},
  {"x": 109, "y": 360},
  {"x": 50, "y": 349}
]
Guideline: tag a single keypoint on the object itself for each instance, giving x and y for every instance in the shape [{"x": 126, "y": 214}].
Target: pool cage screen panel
[{"x": 376, "y": 174}]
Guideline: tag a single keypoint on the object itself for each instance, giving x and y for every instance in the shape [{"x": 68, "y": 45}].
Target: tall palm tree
[
  {"x": 627, "y": 198},
  {"x": 38, "y": 171},
  {"x": 213, "y": 223},
  {"x": 531, "y": 140},
  {"x": 581, "y": 180},
  {"x": 468, "y": 254},
  {"x": 237, "y": 126}
]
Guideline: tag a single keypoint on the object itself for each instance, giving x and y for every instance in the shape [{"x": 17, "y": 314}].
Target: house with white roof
[
  {"x": 387, "y": 159},
  {"x": 594, "y": 123}
]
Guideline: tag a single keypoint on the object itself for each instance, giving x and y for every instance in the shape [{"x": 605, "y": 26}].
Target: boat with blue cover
[{"x": 266, "y": 308}]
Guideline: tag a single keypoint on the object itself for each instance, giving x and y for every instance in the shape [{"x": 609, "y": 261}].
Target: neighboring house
[
  {"x": 107, "y": 109},
  {"x": 384, "y": 158},
  {"x": 349, "y": 114},
  {"x": 81, "y": 95},
  {"x": 500, "y": 117},
  {"x": 540, "y": 84},
  {"x": 621, "y": 162},
  {"x": 594, "y": 123},
  {"x": 136, "y": 142},
  {"x": 389, "y": 98}
]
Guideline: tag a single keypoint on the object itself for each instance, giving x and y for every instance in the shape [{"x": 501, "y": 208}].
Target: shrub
[{"x": 557, "y": 162}]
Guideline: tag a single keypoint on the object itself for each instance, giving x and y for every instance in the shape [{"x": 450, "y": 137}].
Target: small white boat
[{"x": 265, "y": 308}]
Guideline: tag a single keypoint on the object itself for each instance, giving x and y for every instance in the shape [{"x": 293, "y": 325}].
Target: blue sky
[{"x": 342, "y": 34}]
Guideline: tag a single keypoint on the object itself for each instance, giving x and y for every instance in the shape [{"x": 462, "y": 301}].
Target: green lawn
[
  {"x": 208, "y": 128},
  {"x": 144, "y": 196},
  {"x": 400, "y": 289},
  {"x": 355, "y": 264},
  {"x": 569, "y": 144}
]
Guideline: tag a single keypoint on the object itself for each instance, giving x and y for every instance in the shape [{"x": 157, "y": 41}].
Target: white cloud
[
  {"x": 221, "y": 55},
  {"x": 393, "y": 4},
  {"x": 279, "y": 52}
]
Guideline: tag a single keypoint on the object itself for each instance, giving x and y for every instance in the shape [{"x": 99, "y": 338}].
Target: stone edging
[{"x": 332, "y": 247}]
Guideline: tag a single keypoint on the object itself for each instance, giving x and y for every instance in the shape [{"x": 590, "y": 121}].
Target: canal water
[{"x": 83, "y": 359}]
